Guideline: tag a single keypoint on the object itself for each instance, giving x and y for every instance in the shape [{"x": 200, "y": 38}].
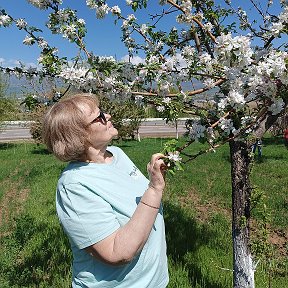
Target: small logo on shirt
[{"x": 135, "y": 172}]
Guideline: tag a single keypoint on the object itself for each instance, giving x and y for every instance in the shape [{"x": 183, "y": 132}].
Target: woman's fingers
[{"x": 157, "y": 159}]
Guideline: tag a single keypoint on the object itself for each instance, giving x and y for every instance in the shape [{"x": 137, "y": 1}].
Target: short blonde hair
[{"x": 64, "y": 127}]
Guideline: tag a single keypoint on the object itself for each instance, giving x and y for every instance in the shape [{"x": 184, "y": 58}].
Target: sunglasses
[{"x": 100, "y": 118}]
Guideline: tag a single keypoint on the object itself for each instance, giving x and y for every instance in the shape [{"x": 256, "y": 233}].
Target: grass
[{"x": 35, "y": 253}]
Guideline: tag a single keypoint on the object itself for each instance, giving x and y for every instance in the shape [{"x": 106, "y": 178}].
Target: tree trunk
[{"x": 243, "y": 271}]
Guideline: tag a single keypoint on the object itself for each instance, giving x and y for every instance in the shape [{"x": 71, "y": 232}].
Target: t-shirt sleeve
[{"x": 84, "y": 215}]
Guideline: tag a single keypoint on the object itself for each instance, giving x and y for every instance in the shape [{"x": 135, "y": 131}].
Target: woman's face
[{"x": 101, "y": 130}]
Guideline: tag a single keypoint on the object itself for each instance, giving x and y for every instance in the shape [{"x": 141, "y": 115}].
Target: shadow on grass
[
  {"x": 184, "y": 236},
  {"x": 265, "y": 158},
  {"x": 40, "y": 151},
  {"x": 277, "y": 140},
  {"x": 6, "y": 145},
  {"x": 39, "y": 253}
]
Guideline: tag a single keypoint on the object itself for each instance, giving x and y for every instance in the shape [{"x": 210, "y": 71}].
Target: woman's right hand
[{"x": 156, "y": 169}]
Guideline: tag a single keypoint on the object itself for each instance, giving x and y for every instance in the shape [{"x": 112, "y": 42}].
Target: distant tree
[
  {"x": 4, "y": 84},
  {"x": 8, "y": 107}
]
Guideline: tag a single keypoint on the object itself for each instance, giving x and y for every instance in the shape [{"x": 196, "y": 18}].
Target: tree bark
[{"x": 243, "y": 271}]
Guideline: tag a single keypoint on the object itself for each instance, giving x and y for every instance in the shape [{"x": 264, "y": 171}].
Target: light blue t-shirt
[{"x": 93, "y": 201}]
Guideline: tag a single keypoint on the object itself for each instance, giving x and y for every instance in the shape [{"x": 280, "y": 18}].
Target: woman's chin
[{"x": 115, "y": 133}]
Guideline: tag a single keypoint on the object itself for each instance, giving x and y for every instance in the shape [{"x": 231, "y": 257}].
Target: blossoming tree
[{"x": 240, "y": 72}]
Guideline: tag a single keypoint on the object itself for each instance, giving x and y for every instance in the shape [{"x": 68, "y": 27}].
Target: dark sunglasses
[{"x": 100, "y": 118}]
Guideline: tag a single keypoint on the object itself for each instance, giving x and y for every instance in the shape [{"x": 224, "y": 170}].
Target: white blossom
[
  {"x": 102, "y": 11},
  {"x": 125, "y": 24},
  {"x": 69, "y": 31},
  {"x": 210, "y": 135},
  {"x": 160, "y": 108},
  {"x": 247, "y": 120},
  {"x": 222, "y": 103},
  {"x": 43, "y": 44},
  {"x": 208, "y": 26},
  {"x": 200, "y": 16},
  {"x": 169, "y": 64},
  {"x": 166, "y": 100},
  {"x": 63, "y": 15},
  {"x": 109, "y": 82},
  {"x": 209, "y": 83},
  {"x": 240, "y": 48},
  {"x": 131, "y": 17},
  {"x": 226, "y": 125},
  {"x": 81, "y": 21},
  {"x": 142, "y": 74},
  {"x": 144, "y": 29},
  {"x": 207, "y": 62},
  {"x": 139, "y": 100},
  {"x": 28, "y": 40},
  {"x": 43, "y": 4},
  {"x": 188, "y": 51},
  {"x": 234, "y": 98},
  {"x": 186, "y": 5},
  {"x": 196, "y": 131},
  {"x": 276, "y": 28},
  {"x": 91, "y": 4},
  {"x": 21, "y": 23},
  {"x": 5, "y": 20},
  {"x": 174, "y": 156},
  {"x": 115, "y": 10},
  {"x": 277, "y": 106}
]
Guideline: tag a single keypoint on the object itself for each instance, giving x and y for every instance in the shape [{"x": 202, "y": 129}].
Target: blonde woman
[{"x": 110, "y": 211}]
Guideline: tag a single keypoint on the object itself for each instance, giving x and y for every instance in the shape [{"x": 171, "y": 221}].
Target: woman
[{"x": 111, "y": 213}]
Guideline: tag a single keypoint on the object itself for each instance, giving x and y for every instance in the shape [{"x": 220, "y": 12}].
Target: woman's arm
[{"x": 126, "y": 242}]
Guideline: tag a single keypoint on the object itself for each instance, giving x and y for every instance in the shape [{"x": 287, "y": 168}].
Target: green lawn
[{"x": 35, "y": 253}]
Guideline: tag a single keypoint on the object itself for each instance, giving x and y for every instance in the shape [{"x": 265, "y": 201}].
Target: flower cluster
[
  {"x": 277, "y": 27},
  {"x": 196, "y": 130},
  {"x": 172, "y": 156},
  {"x": 234, "y": 51},
  {"x": 44, "y": 4}
]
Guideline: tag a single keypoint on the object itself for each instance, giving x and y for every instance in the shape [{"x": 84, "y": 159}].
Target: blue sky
[{"x": 103, "y": 36}]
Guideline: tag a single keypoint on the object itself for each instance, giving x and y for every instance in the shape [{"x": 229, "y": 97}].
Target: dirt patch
[
  {"x": 277, "y": 237},
  {"x": 11, "y": 203},
  {"x": 203, "y": 210}
]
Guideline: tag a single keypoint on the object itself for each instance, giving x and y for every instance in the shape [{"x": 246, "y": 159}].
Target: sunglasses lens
[{"x": 102, "y": 116}]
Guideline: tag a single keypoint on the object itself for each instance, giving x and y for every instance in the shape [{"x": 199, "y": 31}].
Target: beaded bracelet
[{"x": 149, "y": 205}]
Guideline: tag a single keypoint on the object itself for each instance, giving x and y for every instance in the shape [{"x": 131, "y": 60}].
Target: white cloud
[
  {"x": 137, "y": 59},
  {"x": 12, "y": 63},
  {"x": 134, "y": 60},
  {"x": 181, "y": 60}
]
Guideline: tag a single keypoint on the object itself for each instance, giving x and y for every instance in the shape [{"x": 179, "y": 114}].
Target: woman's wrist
[
  {"x": 151, "y": 206},
  {"x": 152, "y": 196},
  {"x": 158, "y": 190}
]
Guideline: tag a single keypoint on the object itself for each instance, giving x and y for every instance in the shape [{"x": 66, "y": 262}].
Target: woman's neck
[{"x": 94, "y": 155}]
